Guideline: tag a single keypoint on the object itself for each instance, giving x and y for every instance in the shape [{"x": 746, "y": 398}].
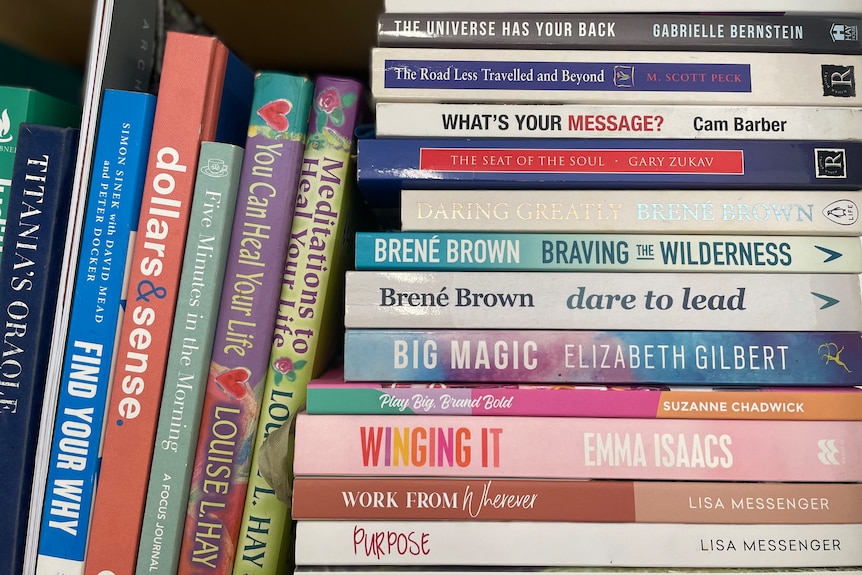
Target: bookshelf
[{"x": 325, "y": 35}]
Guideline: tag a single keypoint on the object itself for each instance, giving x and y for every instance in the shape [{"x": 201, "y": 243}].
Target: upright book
[
  {"x": 728, "y": 212},
  {"x": 110, "y": 224},
  {"x": 578, "y": 448},
  {"x": 309, "y": 326},
  {"x": 19, "y": 105},
  {"x": 385, "y": 166},
  {"x": 597, "y": 76},
  {"x": 204, "y": 95},
  {"x": 636, "y": 31},
  {"x": 210, "y": 223},
  {"x": 276, "y": 135},
  {"x": 30, "y": 272}
]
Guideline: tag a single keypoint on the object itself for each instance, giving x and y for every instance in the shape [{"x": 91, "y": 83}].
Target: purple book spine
[{"x": 244, "y": 331}]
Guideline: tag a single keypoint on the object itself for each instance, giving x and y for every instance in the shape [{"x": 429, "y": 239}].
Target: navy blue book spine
[
  {"x": 29, "y": 279},
  {"x": 386, "y": 165}
]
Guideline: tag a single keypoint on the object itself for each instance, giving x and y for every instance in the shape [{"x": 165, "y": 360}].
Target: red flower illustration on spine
[
  {"x": 285, "y": 368},
  {"x": 329, "y": 108}
]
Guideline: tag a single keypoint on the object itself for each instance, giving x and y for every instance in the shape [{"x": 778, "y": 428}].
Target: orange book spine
[{"x": 187, "y": 112}]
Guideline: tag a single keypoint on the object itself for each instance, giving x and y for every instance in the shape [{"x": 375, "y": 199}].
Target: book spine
[
  {"x": 110, "y": 222},
  {"x": 578, "y": 31},
  {"x": 591, "y": 76},
  {"x": 187, "y": 113},
  {"x": 499, "y": 543},
  {"x": 387, "y": 165},
  {"x": 537, "y": 400},
  {"x": 246, "y": 319},
  {"x": 210, "y": 223},
  {"x": 308, "y": 310},
  {"x": 19, "y": 105},
  {"x": 596, "y": 448},
  {"x": 612, "y": 501},
  {"x": 506, "y": 570},
  {"x": 832, "y": 7},
  {"x": 602, "y": 300},
  {"x": 746, "y": 358},
  {"x": 726, "y": 212},
  {"x": 551, "y": 121},
  {"x": 36, "y": 229},
  {"x": 478, "y": 251}
]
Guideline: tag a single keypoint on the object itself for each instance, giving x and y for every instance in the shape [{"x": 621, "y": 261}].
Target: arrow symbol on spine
[
  {"x": 832, "y": 254},
  {"x": 830, "y": 301}
]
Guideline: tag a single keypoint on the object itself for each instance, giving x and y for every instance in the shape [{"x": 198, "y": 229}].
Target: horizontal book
[
  {"x": 489, "y": 251},
  {"x": 611, "y": 501},
  {"x": 621, "y": 76},
  {"x": 784, "y": 212},
  {"x": 578, "y": 448},
  {"x": 737, "y": 358},
  {"x": 510, "y": 570},
  {"x": 331, "y": 394},
  {"x": 387, "y": 165},
  {"x": 603, "y": 300},
  {"x": 580, "y": 31},
  {"x": 535, "y": 120},
  {"x": 829, "y": 7},
  {"x": 580, "y": 544}
]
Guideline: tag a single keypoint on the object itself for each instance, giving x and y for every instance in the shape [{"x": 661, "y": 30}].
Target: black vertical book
[{"x": 29, "y": 277}]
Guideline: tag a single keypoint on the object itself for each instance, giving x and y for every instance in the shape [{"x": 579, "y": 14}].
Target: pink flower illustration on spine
[{"x": 284, "y": 367}]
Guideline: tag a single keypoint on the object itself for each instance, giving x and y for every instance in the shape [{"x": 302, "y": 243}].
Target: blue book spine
[
  {"x": 29, "y": 280},
  {"x": 488, "y": 251},
  {"x": 386, "y": 165},
  {"x": 113, "y": 207},
  {"x": 737, "y": 358}
]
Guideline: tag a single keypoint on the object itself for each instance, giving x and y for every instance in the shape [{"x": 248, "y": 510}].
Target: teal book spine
[
  {"x": 512, "y": 251},
  {"x": 210, "y": 224},
  {"x": 111, "y": 219},
  {"x": 29, "y": 281}
]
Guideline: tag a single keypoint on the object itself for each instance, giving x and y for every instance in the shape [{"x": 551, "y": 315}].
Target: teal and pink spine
[{"x": 244, "y": 332}]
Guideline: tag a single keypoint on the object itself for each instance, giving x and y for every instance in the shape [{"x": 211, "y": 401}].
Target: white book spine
[
  {"x": 818, "y": 212},
  {"x": 604, "y": 301},
  {"x": 848, "y": 7},
  {"x": 623, "y": 77},
  {"x": 418, "y": 119},
  {"x": 473, "y": 570},
  {"x": 570, "y": 544}
]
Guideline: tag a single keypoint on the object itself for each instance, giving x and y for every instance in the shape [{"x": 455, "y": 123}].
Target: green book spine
[
  {"x": 19, "y": 105},
  {"x": 204, "y": 260},
  {"x": 310, "y": 304}
]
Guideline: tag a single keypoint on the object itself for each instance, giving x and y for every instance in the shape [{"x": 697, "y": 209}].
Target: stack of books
[{"x": 615, "y": 320}]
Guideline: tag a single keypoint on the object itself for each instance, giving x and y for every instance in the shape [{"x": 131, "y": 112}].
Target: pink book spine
[{"x": 601, "y": 448}]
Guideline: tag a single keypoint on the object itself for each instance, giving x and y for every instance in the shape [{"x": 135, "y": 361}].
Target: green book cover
[
  {"x": 204, "y": 260},
  {"x": 306, "y": 330},
  {"x": 19, "y": 105}
]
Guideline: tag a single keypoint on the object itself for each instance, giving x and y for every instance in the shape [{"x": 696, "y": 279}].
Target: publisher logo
[
  {"x": 5, "y": 127},
  {"x": 842, "y": 212},
  {"x": 829, "y": 452},
  {"x": 844, "y": 33},
  {"x": 624, "y": 76},
  {"x": 830, "y": 352},
  {"x": 215, "y": 168},
  {"x": 838, "y": 81},
  {"x": 831, "y": 163}
]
